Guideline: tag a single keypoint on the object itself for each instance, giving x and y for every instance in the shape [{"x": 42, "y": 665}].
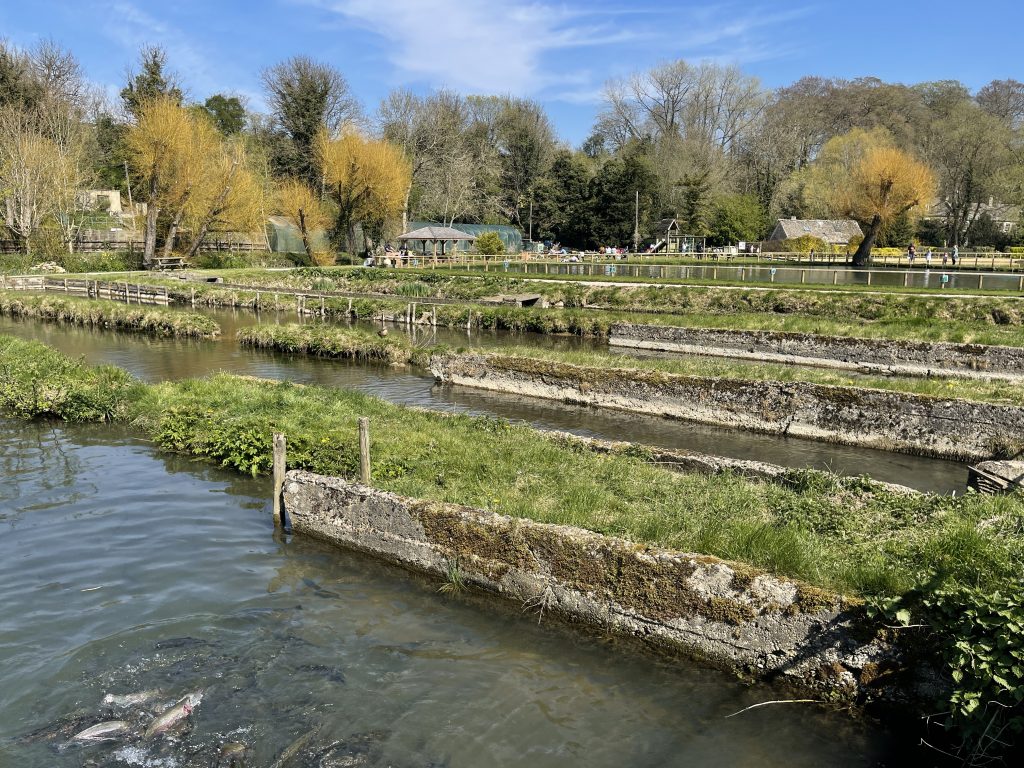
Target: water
[
  {"x": 125, "y": 570},
  {"x": 935, "y": 277},
  {"x": 159, "y": 359}
]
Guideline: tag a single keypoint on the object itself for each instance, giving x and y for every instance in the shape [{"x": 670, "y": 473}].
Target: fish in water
[
  {"x": 175, "y": 714},
  {"x": 232, "y": 755},
  {"x": 333, "y": 674},
  {"x": 131, "y": 699},
  {"x": 102, "y": 731},
  {"x": 294, "y": 748},
  {"x": 180, "y": 642},
  {"x": 318, "y": 590}
]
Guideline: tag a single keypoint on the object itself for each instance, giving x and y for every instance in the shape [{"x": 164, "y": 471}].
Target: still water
[
  {"x": 126, "y": 570},
  {"x": 936, "y": 277},
  {"x": 160, "y": 359}
]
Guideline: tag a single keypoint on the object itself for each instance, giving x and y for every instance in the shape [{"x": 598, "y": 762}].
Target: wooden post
[
  {"x": 433, "y": 309},
  {"x": 869, "y": 277},
  {"x": 981, "y": 282},
  {"x": 803, "y": 275},
  {"x": 257, "y": 301},
  {"x": 1020, "y": 287},
  {"x": 835, "y": 277},
  {"x": 323, "y": 308},
  {"x": 280, "y": 461},
  {"x": 906, "y": 279},
  {"x": 364, "y": 450},
  {"x": 193, "y": 297}
]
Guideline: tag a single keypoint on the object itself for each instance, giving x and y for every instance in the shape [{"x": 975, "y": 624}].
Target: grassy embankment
[
  {"x": 107, "y": 314},
  {"x": 949, "y": 566},
  {"x": 332, "y": 341},
  {"x": 983, "y": 320}
]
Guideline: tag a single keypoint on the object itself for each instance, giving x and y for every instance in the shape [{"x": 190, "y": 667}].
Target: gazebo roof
[{"x": 436, "y": 233}]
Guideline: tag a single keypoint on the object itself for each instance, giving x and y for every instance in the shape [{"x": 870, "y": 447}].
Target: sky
[{"x": 559, "y": 53}]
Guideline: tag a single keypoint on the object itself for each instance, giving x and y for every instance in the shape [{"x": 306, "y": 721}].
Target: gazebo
[{"x": 436, "y": 235}]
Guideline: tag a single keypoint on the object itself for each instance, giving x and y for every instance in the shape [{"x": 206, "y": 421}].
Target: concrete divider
[
  {"x": 730, "y": 615},
  {"x": 903, "y": 358},
  {"x": 883, "y": 419}
]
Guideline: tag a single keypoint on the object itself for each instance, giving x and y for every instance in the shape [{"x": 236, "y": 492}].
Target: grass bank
[
  {"x": 829, "y": 533},
  {"x": 108, "y": 314},
  {"x": 328, "y": 341},
  {"x": 591, "y": 310},
  {"x": 947, "y": 569},
  {"x": 597, "y": 365}
]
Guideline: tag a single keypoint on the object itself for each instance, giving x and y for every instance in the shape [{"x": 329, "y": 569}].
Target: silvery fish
[
  {"x": 102, "y": 731},
  {"x": 175, "y": 714},
  {"x": 130, "y": 699}
]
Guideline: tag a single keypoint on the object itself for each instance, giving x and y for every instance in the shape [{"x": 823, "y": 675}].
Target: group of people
[
  {"x": 953, "y": 255},
  {"x": 391, "y": 257}
]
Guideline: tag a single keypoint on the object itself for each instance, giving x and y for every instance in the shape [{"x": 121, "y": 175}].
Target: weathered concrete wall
[
  {"x": 904, "y": 358},
  {"x": 918, "y": 424},
  {"x": 706, "y": 464},
  {"x": 727, "y": 614}
]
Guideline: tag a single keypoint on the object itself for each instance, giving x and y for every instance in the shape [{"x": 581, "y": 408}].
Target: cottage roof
[{"x": 834, "y": 231}]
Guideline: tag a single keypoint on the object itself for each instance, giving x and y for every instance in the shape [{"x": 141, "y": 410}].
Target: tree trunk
[
  {"x": 350, "y": 237},
  {"x": 172, "y": 233},
  {"x": 863, "y": 255},
  {"x": 152, "y": 211},
  {"x": 305, "y": 235}
]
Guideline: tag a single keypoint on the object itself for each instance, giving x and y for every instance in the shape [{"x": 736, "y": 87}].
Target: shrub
[
  {"x": 490, "y": 244},
  {"x": 805, "y": 244}
]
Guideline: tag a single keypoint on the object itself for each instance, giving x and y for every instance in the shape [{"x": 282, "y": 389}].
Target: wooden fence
[{"x": 116, "y": 290}]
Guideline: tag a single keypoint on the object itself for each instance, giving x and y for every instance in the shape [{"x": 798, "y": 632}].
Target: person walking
[
  {"x": 956, "y": 254},
  {"x": 911, "y": 253}
]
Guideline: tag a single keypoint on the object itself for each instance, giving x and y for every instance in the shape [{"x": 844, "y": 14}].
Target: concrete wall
[
  {"x": 918, "y": 424},
  {"x": 905, "y": 358},
  {"x": 727, "y": 614}
]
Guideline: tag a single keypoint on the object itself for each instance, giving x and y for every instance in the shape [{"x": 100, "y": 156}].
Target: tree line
[{"x": 705, "y": 144}]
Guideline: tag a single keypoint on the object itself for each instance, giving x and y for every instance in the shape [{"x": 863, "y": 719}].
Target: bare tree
[{"x": 305, "y": 98}]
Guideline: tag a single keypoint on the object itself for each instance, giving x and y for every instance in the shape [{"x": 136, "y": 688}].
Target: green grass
[
  {"x": 828, "y": 532},
  {"x": 328, "y": 341},
  {"x": 597, "y": 365},
  {"x": 984, "y": 320},
  {"x": 108, "y": 314}
]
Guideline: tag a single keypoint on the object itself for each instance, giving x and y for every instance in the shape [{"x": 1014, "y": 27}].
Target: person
[
  {"x": 956, "y": 254},
  {"x": 928, "y": 258},
  {"x": 911, "y": 253},
  {"x": 945, "y": 258}
]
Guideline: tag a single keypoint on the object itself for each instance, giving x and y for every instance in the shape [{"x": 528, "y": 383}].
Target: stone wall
[
  {"x": 726, "y": 614},
  {"x": 905, "y": 358},
  {"x": 918, "y": 424}
]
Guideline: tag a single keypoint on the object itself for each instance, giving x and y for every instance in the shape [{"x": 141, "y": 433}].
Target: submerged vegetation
[{"x": 108, "y": 314}]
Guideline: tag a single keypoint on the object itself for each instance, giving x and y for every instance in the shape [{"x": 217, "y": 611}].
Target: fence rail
[
  {"x": 122, "y": 291},
  {"x": 137, "y": 246}
]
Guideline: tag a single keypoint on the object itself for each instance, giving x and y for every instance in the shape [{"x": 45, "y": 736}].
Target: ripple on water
[{"x": 129, "y": 571}]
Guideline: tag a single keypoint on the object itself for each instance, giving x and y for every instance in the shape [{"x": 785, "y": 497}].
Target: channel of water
[
  {"x": 125, "y": 569},
  {"x": 160, "y": 359},
  {"x": 821, "y": 274}
]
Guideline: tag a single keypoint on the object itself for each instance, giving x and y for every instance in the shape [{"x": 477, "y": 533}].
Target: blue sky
[{"x": 560, "y": 53}]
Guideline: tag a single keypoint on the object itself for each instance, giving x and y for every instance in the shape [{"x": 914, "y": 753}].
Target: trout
[
  {"x": 130, "y": 699},
  {"x": 102, "y": 731},
  {"x": 175, "y": 714}
]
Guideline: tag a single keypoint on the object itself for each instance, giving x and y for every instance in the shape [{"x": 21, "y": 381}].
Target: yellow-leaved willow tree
[
  {"x": 366, "y": 178},
  {"x": 194, "y": 178},
  {"x": 297, "y": 203},
  {"x": 863, "y": 174}
]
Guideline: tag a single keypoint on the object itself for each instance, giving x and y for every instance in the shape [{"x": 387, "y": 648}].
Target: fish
[
  {"x": 333, "y": 674},
  {"x": 294, "y": 748},
  {"x": 174, "y": 715},
  {"x": 102, "y": 731},
  {"x": 232, "y": 755},
  {"x": 180, "y": 642},
  {"x": 130, "y": 699}
]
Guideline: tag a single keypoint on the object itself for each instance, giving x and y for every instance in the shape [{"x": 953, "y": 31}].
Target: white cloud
[
  {"x": 538, "y": 48},
  {"x": 479, "y": 45}
]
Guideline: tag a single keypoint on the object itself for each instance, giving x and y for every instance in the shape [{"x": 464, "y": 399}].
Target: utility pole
[
  {"x": 636, "y": 224},
  {"x": 531, "y": 219}
]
